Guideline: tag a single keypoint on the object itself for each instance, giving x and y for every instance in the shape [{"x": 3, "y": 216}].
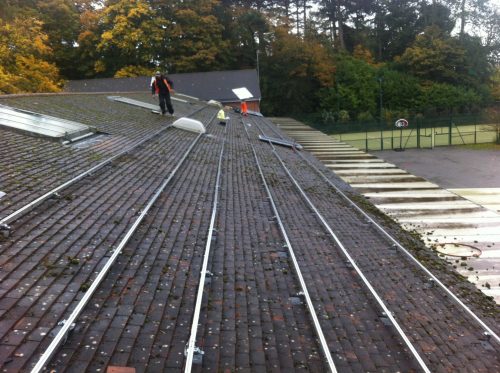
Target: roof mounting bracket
[
  {"x": 430, "y": 283},
  {"x": 197, "y": 354},
  {"x": 5, "y": 230},
  {"x": 59, "y": 326}
]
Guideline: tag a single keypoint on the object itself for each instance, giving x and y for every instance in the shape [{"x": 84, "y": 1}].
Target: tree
[
  {"x": 355, "y": 90},
  {"x": 247, "y": 37},
  {"x": 23, "y": 58},
  {"x": 447, "y": 98},
  {"x": 492, "y": 36},
  {"x": 61, "y": 23},
  {"x": 89, "y": 36},
  {"x": 133, "y": 35},
  {"x": 295, "y": 72},
  {"x": 495, "y": 85},
  {"x": 435, "y": 56},
  {"x": 435, "y": 14},
  {"x": 394, "y": 27},
  {"x": 195, "y": 38}
]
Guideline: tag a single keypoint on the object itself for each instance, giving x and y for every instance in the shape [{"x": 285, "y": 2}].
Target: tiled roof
[
  {"x": 214, "y": 85},
  {"x": 253, "y": 316}
]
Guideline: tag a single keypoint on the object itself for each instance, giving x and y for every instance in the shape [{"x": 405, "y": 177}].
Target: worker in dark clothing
[{"x": 162, "y": 86}]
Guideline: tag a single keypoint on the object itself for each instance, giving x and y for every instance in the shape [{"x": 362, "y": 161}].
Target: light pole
[
  {"x": 258, "y": 67},
  {"x": 380, "y": 80}
]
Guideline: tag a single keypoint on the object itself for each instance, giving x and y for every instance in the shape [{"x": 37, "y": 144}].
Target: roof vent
[
  {"x": 2, "y": 194},
  {"x": 189, "y": 124},
  {"x": 214, "y": 103}
]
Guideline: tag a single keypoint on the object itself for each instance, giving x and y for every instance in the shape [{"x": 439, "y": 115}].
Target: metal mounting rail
[
  {"x": 353, "y": 263},
  {"x": 317, "y": 326},
  {"x": 17, "y": 214},
  {"x": 199, "y": 297},
  {"x": 59, "y": 338},
  {"x": 25, "y": 209},
  {"x": 402, "y": 248}
]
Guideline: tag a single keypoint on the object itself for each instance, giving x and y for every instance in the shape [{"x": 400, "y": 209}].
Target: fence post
[
  {"x": 381, "y": 136},
  {"x": 450, "y": 128},
  {"x": 418, "y": 133},
  {"x": 366, "y": 137}
]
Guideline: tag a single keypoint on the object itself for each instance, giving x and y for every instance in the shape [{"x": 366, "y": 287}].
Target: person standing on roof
[
  {"x": 162, "y": 86},
  {"x": 244, "y": 108}
]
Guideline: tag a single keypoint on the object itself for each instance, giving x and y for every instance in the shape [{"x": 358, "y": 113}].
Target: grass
[{"x": 465, "y": 135}]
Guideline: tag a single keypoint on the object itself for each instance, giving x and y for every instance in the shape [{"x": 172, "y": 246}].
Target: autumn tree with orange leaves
[{"x": 24, "y": 56}]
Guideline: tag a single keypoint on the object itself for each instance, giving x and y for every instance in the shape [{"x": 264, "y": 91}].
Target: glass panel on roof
[
  {"x": 242, "y": 93},
  {"x": 133, "y": 102},
  {"x": 42, "y": 125},
  {"x": 142, "y": 104}
]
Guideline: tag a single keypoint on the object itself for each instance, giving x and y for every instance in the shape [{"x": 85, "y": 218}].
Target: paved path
[
  {"x": 410, "y": 186},
  {"x": 450, "y": 167}
]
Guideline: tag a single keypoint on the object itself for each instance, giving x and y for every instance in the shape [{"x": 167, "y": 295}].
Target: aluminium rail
[
  {"x": 317, "y": 326},
  {"x": 25, "y": 209},
  {"x": 4, "y": 223},
  {"x": 410, "y": 256},
  {"x": 199, "y": 297},
  {"x": 374, "y": 293},
  {"x": 60, "y": 336}
]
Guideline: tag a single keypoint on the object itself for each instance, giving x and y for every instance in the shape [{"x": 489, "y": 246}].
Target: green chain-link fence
[{"x": 420, "y": 133}]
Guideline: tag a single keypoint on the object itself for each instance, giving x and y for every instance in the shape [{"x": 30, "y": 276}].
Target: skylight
[
  {"x": 142, "y": 104},
  {"x": 131, "y": 101},
  {"x": 42, "y": 125}
]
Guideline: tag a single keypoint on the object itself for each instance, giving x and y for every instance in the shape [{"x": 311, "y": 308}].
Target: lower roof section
[{"x": 42, "y": 125}]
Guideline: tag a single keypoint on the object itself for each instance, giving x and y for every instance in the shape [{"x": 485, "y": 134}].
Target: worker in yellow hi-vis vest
[{"x": 221, "y": 116}]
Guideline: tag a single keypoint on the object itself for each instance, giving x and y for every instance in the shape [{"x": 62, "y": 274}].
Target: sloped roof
[
  {"x": 213, "y": 85},
  {"x": 253, "y": 314}
]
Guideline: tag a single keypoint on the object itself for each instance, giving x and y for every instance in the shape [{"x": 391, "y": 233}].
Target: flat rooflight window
[
  {"x": 145, "y": 105},
  {"x": 133, "y": 102},
  {"x": 42, "y": 125}
]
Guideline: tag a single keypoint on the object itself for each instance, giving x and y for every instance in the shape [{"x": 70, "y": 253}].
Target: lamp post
[
  {"x": 258, "y": 67},
  {"x": 380, "y": 80}
]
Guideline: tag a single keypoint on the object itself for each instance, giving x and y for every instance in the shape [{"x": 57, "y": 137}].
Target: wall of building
[{"x": 251, "y": 105}]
